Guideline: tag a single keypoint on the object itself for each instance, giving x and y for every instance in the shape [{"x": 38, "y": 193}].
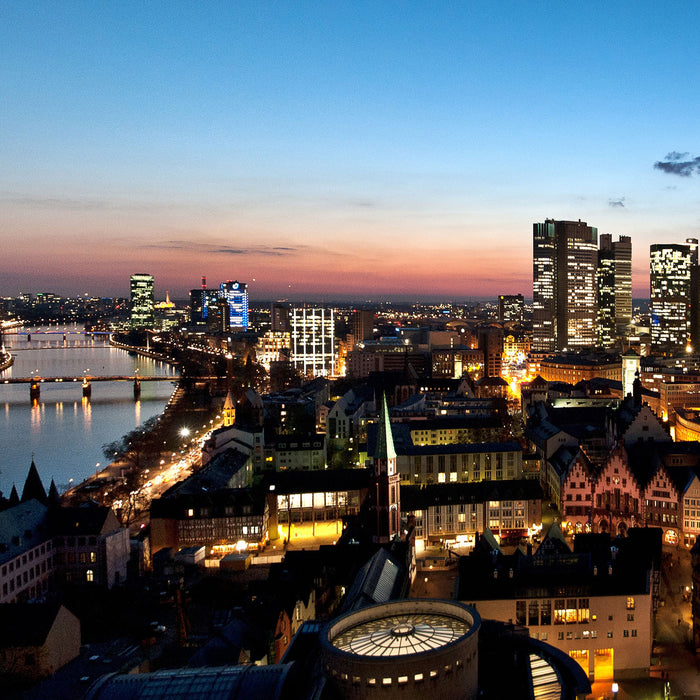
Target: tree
[{"x": 136, "y": 451}]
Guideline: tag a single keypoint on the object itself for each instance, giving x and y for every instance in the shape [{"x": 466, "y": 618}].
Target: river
[{"x": 63, "y": 432}]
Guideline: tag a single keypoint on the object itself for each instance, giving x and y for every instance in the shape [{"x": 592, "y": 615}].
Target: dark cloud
[
  {"x": 275, "y": 251},
  {"x": 256, "y": 250},
  {"x": 617, "y": 203},
  {"x": 677, "y": 163}
]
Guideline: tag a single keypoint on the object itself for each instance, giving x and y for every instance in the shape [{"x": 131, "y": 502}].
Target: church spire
[
  {"x": 386, "y": 484},
  {"x": 14, "y": 497},
  {"x": 384, "y": 449},
  {"x": 54, "y": 498},
  {"x": 33, "y": 488},
  {"x": 229, "y": 411}
]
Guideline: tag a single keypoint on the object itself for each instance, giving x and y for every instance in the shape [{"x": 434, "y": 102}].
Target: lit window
[{"x": 90, "y": 575}]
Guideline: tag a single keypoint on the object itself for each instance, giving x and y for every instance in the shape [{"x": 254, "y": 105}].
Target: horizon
[{"x": 319, "y": 150}]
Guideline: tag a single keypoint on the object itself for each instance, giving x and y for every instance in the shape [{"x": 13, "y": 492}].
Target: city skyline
[{"x": 338, "y": 151}]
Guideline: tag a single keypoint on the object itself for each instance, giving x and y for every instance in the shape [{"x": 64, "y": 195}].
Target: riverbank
[
  {"x": 143, "y": 352},
  {"x": 6, "y": 361},
  {"x": 64, "y": 431}
]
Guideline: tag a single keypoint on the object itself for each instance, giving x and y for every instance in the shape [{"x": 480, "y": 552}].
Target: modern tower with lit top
[
  {"x": 142, "y": 301},
  {"x": 236, "y": 294}
]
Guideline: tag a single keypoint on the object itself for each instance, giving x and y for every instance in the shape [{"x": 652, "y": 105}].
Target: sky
[{"x": 321, "y": 150}]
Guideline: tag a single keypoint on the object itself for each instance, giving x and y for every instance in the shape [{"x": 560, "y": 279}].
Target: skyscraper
[
  {"x": 614, "y": 288},
  {"x": 565, "y": 259},
  {"x": 670, "y": 294},
  {"x": 362, "y": 324},
  {"x": 510, "y": 307},
  {"x": 313, "y": 341},
  {"x": 236, "y": 294},
  {"x": 142, "y": 301}
]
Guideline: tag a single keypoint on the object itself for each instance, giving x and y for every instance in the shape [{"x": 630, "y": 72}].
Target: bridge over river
[
  {"x": 83, "y": 378},
  {"x": 85, "y": 381}
]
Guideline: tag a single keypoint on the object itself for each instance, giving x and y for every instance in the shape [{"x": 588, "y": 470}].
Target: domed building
[{"x": 405, "y": 648}]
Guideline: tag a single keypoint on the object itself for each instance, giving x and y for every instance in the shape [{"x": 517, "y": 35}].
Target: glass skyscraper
[
  {"x": 142, "y": 301},
  {"x": 565, "y": 261},
  {"x": 236, "y": 294},
  {"x": 614, "y": 288},
  {"x": 670, "y": 267}
]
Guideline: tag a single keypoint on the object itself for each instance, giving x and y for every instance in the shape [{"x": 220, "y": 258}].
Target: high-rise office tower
[
  {"x": 510, "y": 307},
  {"x": 565, "y": 259},
  {"x": 312, "y": 334},
  {"x": 614, "y": 288},
  {"x": 142, "y": 301},
  {"x": 362, "y": 324},
  {"x": 671, "y": 266},
  {"x": 236, "y": 294},
  {"x": 694, "y": 294},
  {"x": 279, "y": 318}
]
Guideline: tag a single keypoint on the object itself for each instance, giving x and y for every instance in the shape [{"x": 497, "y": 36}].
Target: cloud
[
  {"x": 677, "y": 163},
  {"x": 617, "y": 203},
  {"x": 210, "y": 248}
]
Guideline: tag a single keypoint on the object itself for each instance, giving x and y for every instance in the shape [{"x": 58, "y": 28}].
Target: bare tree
[{"x": 136, "y": 452}]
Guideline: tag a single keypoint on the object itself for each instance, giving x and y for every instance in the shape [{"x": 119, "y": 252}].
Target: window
[
  {"x": 630, "y": 604},
  {"x": 625, "y": 633},
  {"x": 630, "y": 617},
  {"x": 634, "y": 633},
  {"x": 89, "y": 575},
  {"x": 533, "y": 613},
  {"x": 583, "y": 610}
]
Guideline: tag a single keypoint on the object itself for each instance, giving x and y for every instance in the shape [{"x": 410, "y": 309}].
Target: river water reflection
[{"x": 64, "y": 432}]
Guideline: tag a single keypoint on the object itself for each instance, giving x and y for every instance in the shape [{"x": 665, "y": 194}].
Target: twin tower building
[{"x": 582, "y": 290}]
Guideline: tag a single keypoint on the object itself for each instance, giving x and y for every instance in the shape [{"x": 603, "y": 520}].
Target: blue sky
[{"x": 367, "y": 149}]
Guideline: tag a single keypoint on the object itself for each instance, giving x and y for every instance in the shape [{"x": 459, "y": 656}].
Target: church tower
[
  {"x": 229, "y": 411},
  {"x": 385, "y": 481},
  {"x": 33, "y": 488}
]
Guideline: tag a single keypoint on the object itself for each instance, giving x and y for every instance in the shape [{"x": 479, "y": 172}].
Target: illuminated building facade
[
  {"x": 312, "y": 335},
  {"x": 565, "y": 261},
  {"x": 453, "y": 515},
  {"x": 271, "y": 347},
  {"x": 236, "y": 294},
  {"x": 595, "y": 603},
  {"x": 510, "y": 307},
  {"x": 614, "y": 288},
  {"x": 670, "y": 294},
  {"x": 142, "y": 301}
]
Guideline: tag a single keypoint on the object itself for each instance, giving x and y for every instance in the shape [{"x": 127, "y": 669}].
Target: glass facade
[
  {"x": 142, "y": 301},
  {"x": 565, "y": 262},
  {"x": 670, "y": 270},
  {"x": 236, "y": 294},
  {"x": 313, "y": 341}
]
